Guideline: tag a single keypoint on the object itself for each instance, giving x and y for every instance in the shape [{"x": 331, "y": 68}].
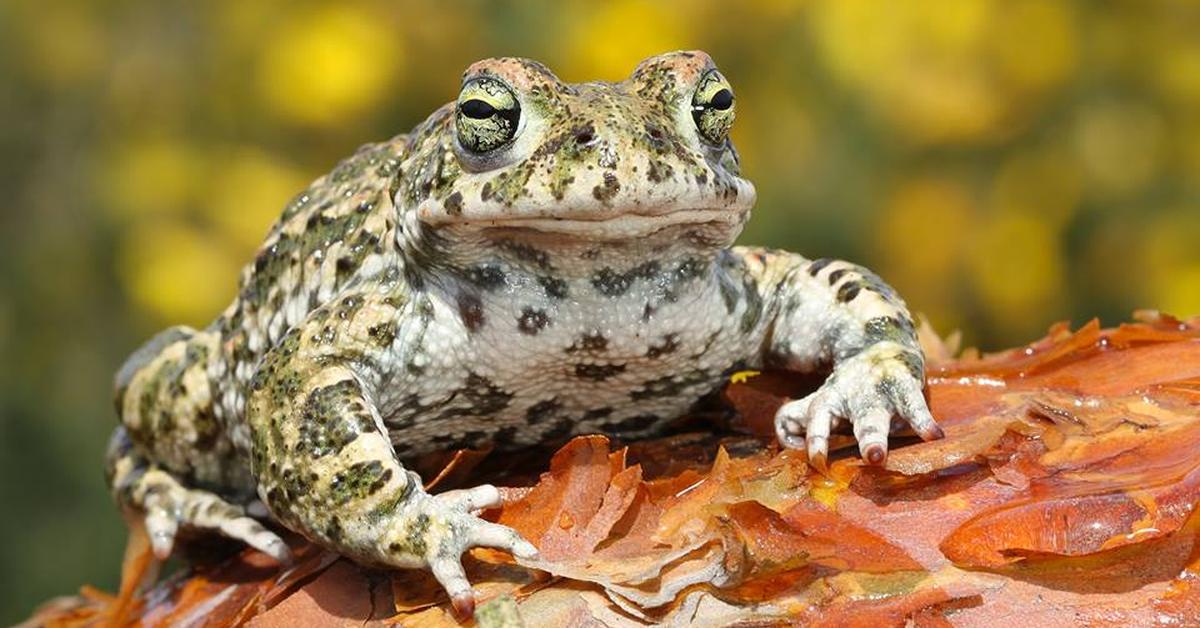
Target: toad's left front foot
[{"x": 867, "y": 390}]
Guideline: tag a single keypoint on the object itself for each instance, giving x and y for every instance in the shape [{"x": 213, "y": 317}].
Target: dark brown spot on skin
[
  {"x": 848, "y": 291},
  {"x": 585, "y": 135},
  {"x": 344, "y": 267},
  {"x": 593, "y": 342},
  {"x": 560, "y": 190},
  {"x": 484, "y": 396},
  {"x": 690, "y": 268},
  {"x": 836, "y": 275},
  {"x": 349, "y": 306},
  {"x": 609, "y": 189},
  {"x": 613, "y": 284},
  {"x": 659, "y": 171},
  {"x": 669, "y": 344},
  {"x": 654, "y": 136},
  {"x": 470, "y": 310},
  {"x": 383, "y": 334},
  {"x": 532, "y": 321},
  {"x": 610, "y": 283},
  {"x": 486, "y": 276},
  {"x": 596, "y": 413},
  {"x": 541, "y": 411},
  {"x": 598, "y": 372},
  {"x": 527, "y": 253},
  {"x": 555, "y": 288},
  {"x": 819, "y": 265},
  {"x": 454, "y": 204}
]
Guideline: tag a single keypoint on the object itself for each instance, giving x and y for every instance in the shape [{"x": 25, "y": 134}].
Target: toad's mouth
[{"x": 617, "y": 226}]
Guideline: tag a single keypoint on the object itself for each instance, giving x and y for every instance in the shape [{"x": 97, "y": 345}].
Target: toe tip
[
  {"x": 162, "y": 545},
  {"x": 281, "y": 553},
  {"x": 875, "y": 454},
  {"x": 525, "y": 549},
  {"x": 464, "y": 604}
]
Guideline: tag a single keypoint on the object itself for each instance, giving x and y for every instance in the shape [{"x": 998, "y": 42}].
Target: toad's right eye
[
  {"x": 488, "y": 115},
  {"x": 713, "y": 108}
]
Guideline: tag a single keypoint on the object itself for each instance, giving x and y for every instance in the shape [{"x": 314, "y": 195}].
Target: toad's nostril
[
  {"x": 584, "y": 137},
  {"x": 655, "y": 134}
]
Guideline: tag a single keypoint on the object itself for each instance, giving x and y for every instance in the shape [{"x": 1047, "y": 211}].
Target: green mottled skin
[{"x": 564, "y": 268}]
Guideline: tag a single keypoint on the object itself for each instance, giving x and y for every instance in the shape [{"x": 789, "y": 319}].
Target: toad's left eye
[{"x": 713, "y": 107}]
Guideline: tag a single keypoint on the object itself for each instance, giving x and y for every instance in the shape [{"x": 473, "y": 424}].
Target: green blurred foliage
[{"x": 1005, "y": 163}]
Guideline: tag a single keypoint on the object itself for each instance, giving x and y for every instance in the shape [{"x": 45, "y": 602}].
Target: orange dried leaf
[
  {"x": 963, "y": 442},
  {"x": 343, "y": 593},
  {"x": 808, "y": 533},
  {"x": 554, "y": 516}
]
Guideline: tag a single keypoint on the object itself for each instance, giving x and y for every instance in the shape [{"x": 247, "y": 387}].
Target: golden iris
[
  {"x": 487, "y": 115},
  {"x": 713, "y": 107}
]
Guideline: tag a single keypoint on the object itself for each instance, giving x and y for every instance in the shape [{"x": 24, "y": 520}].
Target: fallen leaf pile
[{"x": 1064, "y": 493}]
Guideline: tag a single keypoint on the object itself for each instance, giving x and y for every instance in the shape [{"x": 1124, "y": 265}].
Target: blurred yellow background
[{"x": 1004, "y": 163}]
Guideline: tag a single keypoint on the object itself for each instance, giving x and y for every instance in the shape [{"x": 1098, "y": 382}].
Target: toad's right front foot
[{"x": 435, "y": 530}]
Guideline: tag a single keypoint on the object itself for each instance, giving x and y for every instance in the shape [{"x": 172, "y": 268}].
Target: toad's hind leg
[
  {"x": 170, "y": 461},
  {"x": 146, "y": 490}
]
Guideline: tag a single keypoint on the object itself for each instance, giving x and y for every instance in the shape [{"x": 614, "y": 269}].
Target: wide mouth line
[
  {"x": 706, "y": 214},
  {"x": 607, "y": 228}
]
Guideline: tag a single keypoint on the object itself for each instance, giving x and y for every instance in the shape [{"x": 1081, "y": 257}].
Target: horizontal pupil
[
  {"x": 722, "y": 100},
  {"x": 476, "y": 109}
]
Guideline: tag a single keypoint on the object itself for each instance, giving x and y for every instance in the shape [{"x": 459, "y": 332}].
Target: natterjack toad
[{"x": 535, "y": 260}]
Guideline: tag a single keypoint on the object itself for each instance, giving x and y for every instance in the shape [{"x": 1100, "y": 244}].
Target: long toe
[
  {"x": 161, "y": 527},
  {"x": 472, "y": 499},
  {"x": 253, "y": 533},
  {"x": 489, "y": 534},
  {"x": 449, "y": 573}
]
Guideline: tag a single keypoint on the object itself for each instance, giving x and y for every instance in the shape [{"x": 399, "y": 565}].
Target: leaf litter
[{"x": 1065, "y": 492}]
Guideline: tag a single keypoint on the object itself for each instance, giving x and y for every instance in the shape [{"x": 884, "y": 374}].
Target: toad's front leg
[
  {"x": 326, "y": 468},
  {"x": 834, "y": 312}
]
